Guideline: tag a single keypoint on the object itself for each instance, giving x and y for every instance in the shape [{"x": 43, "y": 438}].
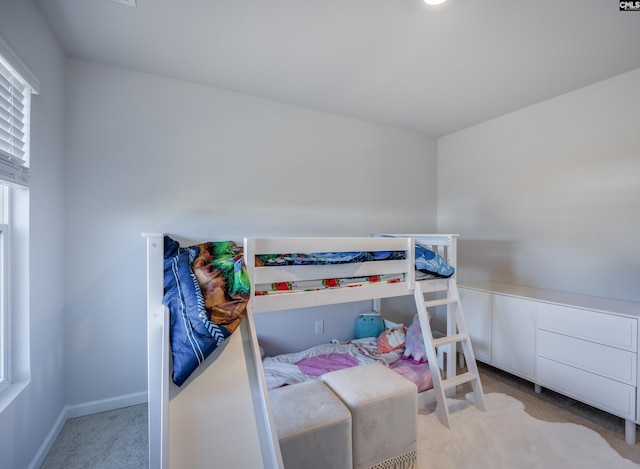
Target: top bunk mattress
[
  {"x": 317, "y": 266},
  {"x": 304, "y": 272}
]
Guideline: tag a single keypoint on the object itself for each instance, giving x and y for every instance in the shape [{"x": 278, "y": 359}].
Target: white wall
[
  {"x": 27, "y": 421},
  {"x": 554, "y": 185},
  {"x": 549, "y": 196},
  {"x": 147, "y": 153},
  {"x": 546, "y": 196}
]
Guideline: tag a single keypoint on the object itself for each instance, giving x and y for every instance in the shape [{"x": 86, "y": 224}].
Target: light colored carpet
[
  {"x": 554, "y": 407},
  {"x": 505, "y": 436},
  {"x": 117, "y": 439}
]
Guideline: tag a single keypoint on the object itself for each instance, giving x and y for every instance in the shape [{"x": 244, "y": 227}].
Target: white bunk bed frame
[{"x": 229, "y": 387}]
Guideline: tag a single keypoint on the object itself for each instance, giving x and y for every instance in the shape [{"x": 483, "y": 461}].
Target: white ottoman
[
  {"x": 313, "y": 425},
  {"x": 384, "y": 414}
]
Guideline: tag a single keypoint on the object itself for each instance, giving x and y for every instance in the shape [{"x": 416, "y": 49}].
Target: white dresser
[{"x": 580, "y": 346}]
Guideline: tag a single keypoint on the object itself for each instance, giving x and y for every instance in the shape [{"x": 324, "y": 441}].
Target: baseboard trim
[
  {"x": 80, "y": 410},
  {"x": 88, "y": 408}
]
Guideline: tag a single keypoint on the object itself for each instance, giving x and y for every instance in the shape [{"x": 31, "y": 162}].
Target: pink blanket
[{"x": 321, "y": 364}]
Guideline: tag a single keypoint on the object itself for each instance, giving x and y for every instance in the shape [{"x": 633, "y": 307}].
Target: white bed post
[
  {"x": 212, "y": 384},
  {"x": 157, "y": 355},
  {"x": 452, "y": 254}
]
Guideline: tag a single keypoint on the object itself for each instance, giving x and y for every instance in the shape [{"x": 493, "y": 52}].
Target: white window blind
[
  {"x": 17, "y": 83},
  {"x": 15, "y": 98}
]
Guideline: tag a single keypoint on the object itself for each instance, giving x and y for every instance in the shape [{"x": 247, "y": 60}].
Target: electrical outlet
[{"x": 319, "y": 327}]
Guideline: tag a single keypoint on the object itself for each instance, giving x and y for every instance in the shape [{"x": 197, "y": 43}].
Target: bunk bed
[
  {"x": 294, "y": 278},
  {"x": 230, "y": 388}
]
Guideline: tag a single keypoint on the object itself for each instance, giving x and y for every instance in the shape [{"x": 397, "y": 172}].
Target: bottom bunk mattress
[{"x": 310, "y": 364}]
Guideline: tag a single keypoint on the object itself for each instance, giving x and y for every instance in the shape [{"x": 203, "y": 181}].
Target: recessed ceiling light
[
  {"x": 434, "y": 2},
  {"x": 129, "y": 3}
]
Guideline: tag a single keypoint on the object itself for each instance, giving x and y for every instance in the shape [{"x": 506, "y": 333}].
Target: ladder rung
[
  {"x": 459, "y": 379},
  {"x": 450, "y": 339},
  {"x": 443, "y": 301},
  {"x": 471, "y": 376}
]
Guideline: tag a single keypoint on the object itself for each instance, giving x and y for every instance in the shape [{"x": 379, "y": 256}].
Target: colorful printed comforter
[
  {"x": 428, "y": 264},
  {"x": 325, "y": 283},
  {"x": 327, "y": 258},
  {"x": 206, "y": 289},
  {"x": 426, "y": 260}
]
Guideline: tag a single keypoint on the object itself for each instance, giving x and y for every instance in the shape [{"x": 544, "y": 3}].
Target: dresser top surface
[{"x": 606, "y": 305}]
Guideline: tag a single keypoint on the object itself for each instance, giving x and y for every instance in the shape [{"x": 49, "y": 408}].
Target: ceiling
[{"x": 432, "y": 70}]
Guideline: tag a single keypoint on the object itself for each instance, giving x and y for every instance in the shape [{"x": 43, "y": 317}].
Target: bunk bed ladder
[{"x": 458, "y": 333}]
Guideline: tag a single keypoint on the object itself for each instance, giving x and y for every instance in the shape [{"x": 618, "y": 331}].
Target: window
[
  {"x": 15, "y": 100},
  {"x": 5, "y": 369},
  {"x": 16, "y": 86}
]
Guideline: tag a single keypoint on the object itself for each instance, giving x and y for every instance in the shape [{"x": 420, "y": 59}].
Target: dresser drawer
[
  {"x": 606, "y": 394},
  {"x": 607, "y": 329},
  {"x": 603, "y": 360}
]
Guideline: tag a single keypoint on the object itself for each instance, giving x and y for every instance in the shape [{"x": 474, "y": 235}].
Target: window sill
[{"x": 11, "y": 393}]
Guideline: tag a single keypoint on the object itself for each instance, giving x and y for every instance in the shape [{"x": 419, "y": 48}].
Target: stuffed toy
[
  {"x": 391, "y": 339},
  {"x": 369, "y": 325},
  {"x": 414, "y": 343}
]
